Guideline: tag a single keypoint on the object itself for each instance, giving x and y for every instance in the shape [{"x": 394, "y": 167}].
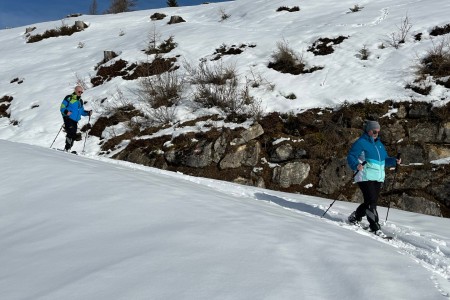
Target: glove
[{"x": 89, "y": 112}]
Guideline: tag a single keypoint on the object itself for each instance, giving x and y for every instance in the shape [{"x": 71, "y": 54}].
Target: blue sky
[{"x": 14, "y": 13}]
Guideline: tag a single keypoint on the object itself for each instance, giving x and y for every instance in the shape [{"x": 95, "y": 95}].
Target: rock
[
  {"x": 252, "y": 154},
  {"x": 423, "y": 132},
  {"x": 219, "y": 147},
  {"x": 176, "y": 19},
  {"x": 419, "y": 205},
  {"x": 290, "y": 174},
  {"x": 139, "y": 157},
  {"x": 233, "y": 159},
  {"x": 419, "y": 110},
  {"x": 412, "y": 154},
  {"x": 200, "y": 156},
  {"x": 401, "y": 112},
  {"x": 438, "y": 152},
  {"x": 247, "y": 135},
  {"x": 444, "y": 133},
  {"x": 247, "y": 155},
  {"x": 334, "y": 176},
  {"x": 282, "y": 153},
  {"x": 391, "y": 134},
  {"x": 243, "y": 181},
  {"x": 441, "y": 191}
]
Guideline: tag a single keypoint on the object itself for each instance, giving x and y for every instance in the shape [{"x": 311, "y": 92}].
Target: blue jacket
[
  {"x": 74, "y": 104},
  {"x": 371, "y": 151}
]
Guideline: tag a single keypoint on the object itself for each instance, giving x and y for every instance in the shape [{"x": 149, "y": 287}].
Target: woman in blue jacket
[
  {"x": 72, "y": 109},
  {"x": 368, "y": 158}
]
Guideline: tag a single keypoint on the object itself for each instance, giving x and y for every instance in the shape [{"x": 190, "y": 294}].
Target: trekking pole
[
  {"x": 86, "y": 136},
  {"x": 392, "y": 185},
  {"x": 365, "y": 162},
  {"x": 57, "y": 135}
]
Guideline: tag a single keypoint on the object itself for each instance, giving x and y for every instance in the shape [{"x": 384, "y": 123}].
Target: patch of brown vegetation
[
  {"x": 440, "y": 30},
  {"x": 230, "y": 50},
  {"x": 289, "y": 9},
  {"x": 130, "y": 72},
  {"x": 324, "y": 46},
  {"x": 61, "y": 31},
  {"x": 5, "y": 102}
]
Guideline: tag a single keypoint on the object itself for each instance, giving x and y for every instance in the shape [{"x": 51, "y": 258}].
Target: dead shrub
[
  {"x": 363, "y": 53},
  {"x": 210, "y": 73},
  {"x": 165, "y": 47},
  {"x": 285, "y": 60},
  {"x": 217, "y": 85},
  {"x": 223, "y": 15},
  {"x": 399, "y": 37},
  {"x": 119, "y": 107},
  {"x": 356, "y": 8},
  {"x": 162, "y": 115},
  {"x": 163, "y": 89},
  {"x": 436, "y": 61}
]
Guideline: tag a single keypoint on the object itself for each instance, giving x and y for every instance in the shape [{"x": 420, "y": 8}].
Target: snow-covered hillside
[
  {"x": 50, "y": 68},
  {"x": 94, "y": 228}
]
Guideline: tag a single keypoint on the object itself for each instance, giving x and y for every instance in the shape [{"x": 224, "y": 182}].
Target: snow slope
[
  {"x": 74, "y": 227},
  {"x": 88, "y": 227},
  {"x": 50, "y": 68}
]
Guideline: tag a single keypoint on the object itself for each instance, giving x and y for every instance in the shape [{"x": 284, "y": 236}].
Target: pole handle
[{"x": 364, "y": 162}]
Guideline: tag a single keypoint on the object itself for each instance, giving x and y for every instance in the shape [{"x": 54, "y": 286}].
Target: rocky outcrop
[
  {"x": 307, "y": 154},
  {"x": 291, "y": 173}
]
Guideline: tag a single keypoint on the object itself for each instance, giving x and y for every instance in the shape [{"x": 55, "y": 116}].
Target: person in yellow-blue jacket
[
  {"x": 72, "y": 109},
  {"x": 368, "y": 159}
]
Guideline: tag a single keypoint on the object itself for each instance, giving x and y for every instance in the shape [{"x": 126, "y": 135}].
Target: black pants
[
  {"x": 71, "y": 132},
  {"x": 370, "y": 191}
]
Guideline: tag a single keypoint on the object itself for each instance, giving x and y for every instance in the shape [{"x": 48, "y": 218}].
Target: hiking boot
[
  {"x": 353, "y": 220},
  {"x": 380, "y": 233}
]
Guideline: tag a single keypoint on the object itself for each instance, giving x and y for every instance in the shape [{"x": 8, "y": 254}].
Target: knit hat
[{"x": 371, "y": 125}]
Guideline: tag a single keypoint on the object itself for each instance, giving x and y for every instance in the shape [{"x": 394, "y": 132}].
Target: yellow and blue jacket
[{"x": 74, "y": 104}]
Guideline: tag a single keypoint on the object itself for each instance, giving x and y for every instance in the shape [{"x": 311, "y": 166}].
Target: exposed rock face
[
  {"x": 286, "y": 153},
  {"x": 252, "y": 133},
  {"x": 200, "y": 156},
  {"x": 291, "y": 173},
  {"x": 420, "y": 205},
  {"x": 334, "y": 176},
  {"x": 175, "y": 20}
]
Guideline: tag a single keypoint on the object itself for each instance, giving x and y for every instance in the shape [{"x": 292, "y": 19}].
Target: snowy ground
[
  {"x": 85, "y": 227},
  {"x": 79, "y": 227}
]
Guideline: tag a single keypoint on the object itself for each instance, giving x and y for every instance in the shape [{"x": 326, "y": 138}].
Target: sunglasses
[
  {"x": 375, "y": 131},
  {"x": 80, "y": 92}
]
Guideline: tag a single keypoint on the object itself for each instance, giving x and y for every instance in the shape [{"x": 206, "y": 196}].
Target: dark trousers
[
  {"x": 71, "y": 132},
  {"x": 370, "y": 191}
]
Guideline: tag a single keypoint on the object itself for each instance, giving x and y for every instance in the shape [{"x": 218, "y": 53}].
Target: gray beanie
[{"x": 371, "y": 125}]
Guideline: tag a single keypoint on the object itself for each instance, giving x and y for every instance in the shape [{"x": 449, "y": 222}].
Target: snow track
[{"x": 427, "y": 250}]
